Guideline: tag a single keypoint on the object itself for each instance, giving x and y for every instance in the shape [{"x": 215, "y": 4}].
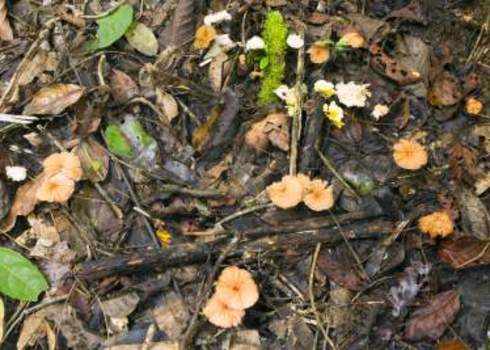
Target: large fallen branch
[{"x": 185, "y": 254}]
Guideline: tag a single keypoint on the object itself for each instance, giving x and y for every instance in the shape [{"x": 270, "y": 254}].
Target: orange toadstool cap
[
  {"x": 353, "y": 39},
  {"x": 286, "y": 193},
  {"x": 219, "y": 313},
  {"x": 204, "y": 36},
  {"x": 67, "y": 163},
  {"x": 57, "y": 188},
  {"x": 318, "y": 53},
  {"x": 319, "y": 196},
  {"x": 436, "y": 224},
  {"x": 473, "y": 106},
  {"x": 237, "y": 287},
  {"x": 409, "y": 154}
]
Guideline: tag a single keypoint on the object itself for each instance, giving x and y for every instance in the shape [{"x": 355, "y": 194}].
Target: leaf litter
[{"x": 244, "y": 175}]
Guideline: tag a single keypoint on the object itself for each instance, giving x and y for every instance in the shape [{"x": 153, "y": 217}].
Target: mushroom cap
[
  {"x": 353, "y": 39},
  {"x": 409, "y": 154},
  {"x": 219, "y": 313},
  {"x": 237, "y": 287},
  {"x": 318, "y": 53},
  {"x": 67, "y": 163},
  {"x": 319, "y": 196},
  {"x": 436, "y": 224},
  {"x": 56, "y": 188},
  {"x": 286, "y": 193},
  {"x": 473, "y": 106},
  {"x": 204, "y": 35},
  {"x": 305, "y": 181}
]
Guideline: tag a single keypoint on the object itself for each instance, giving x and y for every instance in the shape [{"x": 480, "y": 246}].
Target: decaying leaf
[
  {"x": 6, "y": 33},
  {"x": 273, "y": 129},
  {"x": 430, "y": 321},
  {"x": 444, "y": 91},
  {"x": 94, "y": 159},
  {"x": 43, "y": 61},
  {"x": 167, "y": 104},
  {"x": 465, "y": 252},
  {"x": 247, "y": 339},
  {"x": 24, "y": 203},
  {"x": 385, "y": 65},
  {"x": 483, "y": 131},
  {"x": 413, "y": 12},
  {"x": 123, "y": 87},
  {"x": 32, "y": 330},
  {"x": 172, "y": 315},
  {"x": 217, "y": 70},
  {"x": 87, "y": 118},
  {"x": 142, "y": 39},
  {"x": 474, "y": 215},
  {"x": 54, "y": 99},
  {"x": 462, "y": 160},
  {"x": 183, "y": 23}
]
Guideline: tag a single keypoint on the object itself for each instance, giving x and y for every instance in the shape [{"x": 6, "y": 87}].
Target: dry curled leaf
[
  {"x": 123, "y": 87},
  {"x": 462, "y": 160},
  {"x": 273, "y": 129},
  {"x": 465, "y": 252},
  {"x": 445, "y": 91},
  {"x": 24, "y": 203},
  {"x": 386, "y": 65},
  {"x": 54, "y": 99},
  {"x": 183, "y": 23},
  {"x": 43, "y": 61},
  {"x": 6, "y": 33},
  {"x": 167, "y": 104},
  {"x": 431, "y": 320}
]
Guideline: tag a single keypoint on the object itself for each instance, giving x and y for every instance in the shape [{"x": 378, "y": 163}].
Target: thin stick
[
  {"x": 296, "y": 120},
  {"x": 319, "y": 321}
]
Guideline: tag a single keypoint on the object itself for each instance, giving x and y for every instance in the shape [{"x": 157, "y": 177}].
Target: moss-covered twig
[{"x": 274, "y": 34}]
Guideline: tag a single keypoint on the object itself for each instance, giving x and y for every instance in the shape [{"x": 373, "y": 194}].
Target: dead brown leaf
[
  {"x": 24, "y": 203},
  {"x": 43, "y": 61},
  {"x": 386, "y": 65},
  {"x": 474, "y": 215},
  {"x": 168, "y": 105},
  {"x": 87, "y": 119},
  {"x": 6, "y": 33},
  {"x": 272, "y": 129},
  {"x": 123, "y": 87},
  {"x": 462, "y": 160},
  {"x": 465, "y": 252},
  {"x": 444, "y": 91},
  {"x": 54, "y": 99},
  {"x": 431, "y": 320}
]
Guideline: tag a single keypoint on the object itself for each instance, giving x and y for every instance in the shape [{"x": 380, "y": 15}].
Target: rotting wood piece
[{"x": 185, "y": 254}]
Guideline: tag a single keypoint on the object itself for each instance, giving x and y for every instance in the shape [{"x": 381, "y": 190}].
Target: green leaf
[
  {"x": 264, "y": 62},
  {"x": 112, "y": 27},
  {"x": 117, "y": 142},
  {"x": 19, "y": 278}
]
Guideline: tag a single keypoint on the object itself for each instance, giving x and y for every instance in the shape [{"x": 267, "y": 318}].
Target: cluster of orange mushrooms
[
  {"x": 235, "y": 291},
  {"x": 294, "y": 189},
  {"x": 60, "y": 173}
]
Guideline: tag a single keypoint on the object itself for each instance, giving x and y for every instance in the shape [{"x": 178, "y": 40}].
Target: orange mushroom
[
  {"x": 64, "y": 162},
  {"x": 438, "y": 223},
  {"x": 409, "y": 154},
  {"x": 353, "y": 39},
  {"x": 319, "y": 196},
  {"x": 473, "y": 106},
  {"x": 237, "y": 287},
  {"x": 286, "y": 193},
  {"x": 319, "y": 53},
  {"x": 304, "y": 180},
  {"x": 204, "y": 36},
  {"x": 219, "y": 313},
  {"x": 56, "y": 188}
]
